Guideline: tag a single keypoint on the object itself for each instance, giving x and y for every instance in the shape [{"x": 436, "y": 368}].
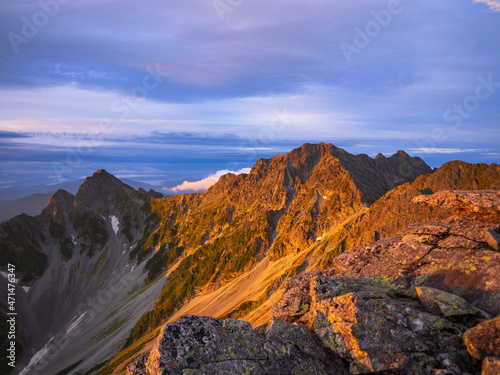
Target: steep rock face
[
  {"x": 107, "y": 195},
  {"x": 301, "y": 194},
  {"x": 204, "y": 345},
  {"x": 102, "y": 191},
  {"x": 403, "y": 304},
  {"x": 21, "y": 239},
  {"x": 327, "y": 185}
]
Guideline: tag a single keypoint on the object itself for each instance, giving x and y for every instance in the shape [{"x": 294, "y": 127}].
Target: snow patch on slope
[
  {"x": 37, "y": 357},
  {"x": 115, "y": 223},
  {"x": 75, "y": 323}
]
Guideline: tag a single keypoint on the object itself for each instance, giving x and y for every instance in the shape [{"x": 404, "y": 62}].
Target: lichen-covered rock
[
  {"x": 483, "y": 340},
  {"x": 450, "y": 255},
  {"x": 438, "y": 302},
  {"x": 296, "y": 299},
  {"x": 138, "y": 367},
  {"x": 481, "y": 201},
  {"x": 305, "y": 290},
  {"x": 377, "y": 333},
  {"x": 402, "y": 304},
  {"x": 493, "y": 239},
  {"x": 204, "y": 345},
  {"x": 491, "y": 366},
  {"x": 378, "y": 325}
]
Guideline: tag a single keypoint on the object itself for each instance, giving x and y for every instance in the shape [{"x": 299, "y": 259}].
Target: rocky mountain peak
[
  {"x": 310, "y": 151},
  {"x": 61, "y": 196},
  {"x": 101, "y": 189},
  {"x": 59, "y": 202},
  {"x": 370, "y": 175},
  {"x": 402, "y": 153},
  {"x": 99, "y": 180}
]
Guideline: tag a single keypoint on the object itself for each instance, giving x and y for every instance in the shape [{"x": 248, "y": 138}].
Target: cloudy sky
[{"x": 167, "y": 91}]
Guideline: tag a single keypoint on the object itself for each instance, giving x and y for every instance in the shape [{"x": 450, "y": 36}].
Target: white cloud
[
  {"x": 207, "y": 182},
  {"x": 493, "y": 4}
]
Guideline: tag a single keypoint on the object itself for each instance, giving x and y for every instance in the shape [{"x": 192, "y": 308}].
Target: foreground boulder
[
  {"x": 438, "y": 302},
  {"x": 376, "y": 329},
  {"x": 484, "y": 339},
  {"x": 483, "y": 342},
  {"x": 491, "y": 366},
  {"x": 204, "y": 345}
]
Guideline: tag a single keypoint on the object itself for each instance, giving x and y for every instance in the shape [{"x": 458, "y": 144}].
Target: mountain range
[{"x": 102, "y": 271}]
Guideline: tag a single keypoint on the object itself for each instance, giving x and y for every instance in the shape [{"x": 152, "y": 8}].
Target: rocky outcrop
[
  {"x": 483, "y": 340},
  {"x": 491, "y": 366},
  {"x": 493, "y": 239},
  {"x": 376, "y": 325},
  {"x": 138, "y": 367},
  {"x": 452, "y": 255},
  {"x": 204, "y": 345},
  {"x": 402, "y": 304},
  {"x": 483, "y": 202},
  {"x": 483, "y": 343},
  {"x": 438, "y": 302}
]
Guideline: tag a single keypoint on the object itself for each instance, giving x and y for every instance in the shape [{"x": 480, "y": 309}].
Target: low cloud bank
[{"x": 205, "y": 183}]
